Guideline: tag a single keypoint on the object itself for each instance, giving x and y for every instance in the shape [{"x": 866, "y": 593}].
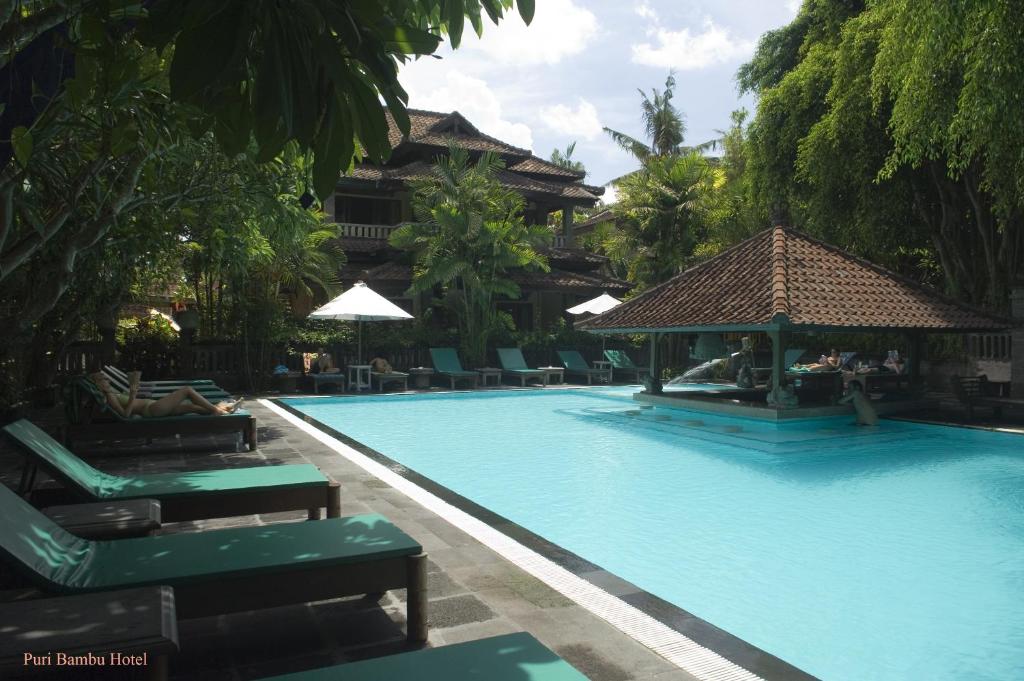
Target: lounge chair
[
  {"x": 208, "y": 389},
  {"x": 513, "y": 364},
  {"x": 447, "y": 364},
  {"x": 512, "y": 657},
  {"x": 82, "y": 427},
  {"x": 975, "y": 391},
  {"x": 621, "y": 363},
  {"x": 383, "y": 379},
  {"x": 222, "y": 571},
  {"x": 188, "y": 495},
  {"x": 575, "y": 365}
]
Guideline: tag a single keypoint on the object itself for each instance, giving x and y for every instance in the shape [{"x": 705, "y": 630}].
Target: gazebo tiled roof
[{"x": 784, "y": 279}]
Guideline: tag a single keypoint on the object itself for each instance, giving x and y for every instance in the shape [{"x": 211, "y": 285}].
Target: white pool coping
[{"x": 681, "y": 651}]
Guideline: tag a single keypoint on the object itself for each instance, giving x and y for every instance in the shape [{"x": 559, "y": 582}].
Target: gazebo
[{"x": 782, "y": 282}]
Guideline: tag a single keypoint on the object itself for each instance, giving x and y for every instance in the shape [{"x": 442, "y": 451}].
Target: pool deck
[{"x": 473, "y": 592}]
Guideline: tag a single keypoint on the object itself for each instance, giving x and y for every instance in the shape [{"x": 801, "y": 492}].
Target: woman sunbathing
[{"x": 184, "y": 400}]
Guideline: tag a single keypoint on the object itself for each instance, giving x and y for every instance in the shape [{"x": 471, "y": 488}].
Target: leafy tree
[
  {"x": 469, "y": 233},
  {"x": 889, "y": 128},
  {"x": 662, "y": 213}
]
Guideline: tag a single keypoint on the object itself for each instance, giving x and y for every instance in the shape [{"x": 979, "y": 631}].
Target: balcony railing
[
  {"x": 360, "y": 231},
  {"x": 989, "y": 346}
]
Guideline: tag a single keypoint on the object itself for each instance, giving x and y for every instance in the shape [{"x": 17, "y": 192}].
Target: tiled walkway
[{"x": 473, "y": 592}]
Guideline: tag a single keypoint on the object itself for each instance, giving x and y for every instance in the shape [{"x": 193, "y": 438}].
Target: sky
[{"x": 578, "y": 66}]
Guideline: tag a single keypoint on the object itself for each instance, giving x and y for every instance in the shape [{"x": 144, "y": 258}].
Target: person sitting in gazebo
[
  {"x": 830, "y": 363},
  {"x": 184, "y": 400}
]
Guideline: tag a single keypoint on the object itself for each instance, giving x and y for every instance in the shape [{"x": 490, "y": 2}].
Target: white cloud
[
  {"x": 794, "y": 5},
  {"x": 559, "y": 29},
  {"x": 472, "y": 97},
  {"x": 688, "y": 51},
  {"x": 610, "y": 196},
  {"x": 581, "y": 122},
  {"x": 645, "y": 11}
]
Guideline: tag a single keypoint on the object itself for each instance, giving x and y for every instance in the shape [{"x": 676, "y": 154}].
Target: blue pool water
[{"x": 853, "y": 553}]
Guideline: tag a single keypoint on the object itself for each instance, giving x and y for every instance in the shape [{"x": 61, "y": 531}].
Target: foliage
[
  {"x": 563, "y": 159},
  {"x": 469, "y": 232},
  {"x": 890, "y": 129}
]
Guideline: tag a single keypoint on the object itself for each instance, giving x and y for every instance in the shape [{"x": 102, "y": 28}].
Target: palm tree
[
  {"x": 469, "y": 232},
  {"x": 663, "y": 124},
  {"x": 563, "y": 159}
]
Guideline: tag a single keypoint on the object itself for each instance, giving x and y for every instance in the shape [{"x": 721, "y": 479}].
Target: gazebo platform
[{"x": 751, "y": 404}]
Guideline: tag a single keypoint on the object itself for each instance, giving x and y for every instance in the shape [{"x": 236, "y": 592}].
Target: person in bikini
[{"x": 184, "y": 400}]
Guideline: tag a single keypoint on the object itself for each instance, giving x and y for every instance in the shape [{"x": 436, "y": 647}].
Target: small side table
[
  {"x": 138, "y": 626},
  {"x": 552, "y": 372},
  {"x": 421, "y": 376},
  {"x": 604, "y": 366},
  {"x": 487, "y": 373},
  {"x": 108, "y": 519},
  {"x": 359, "y": 376}
]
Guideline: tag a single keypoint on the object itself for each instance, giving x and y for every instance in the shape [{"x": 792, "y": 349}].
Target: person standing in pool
[{"x": 866, "y": 414}]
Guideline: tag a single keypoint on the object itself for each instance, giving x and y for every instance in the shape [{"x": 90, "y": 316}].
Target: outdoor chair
[
  {"x": 223, "y": 571},
  {"x": 383, "y": 378},
  {"x": 188, "y": 495},
  {"x": 622, "y": 364},
  {"x": 975, "y": 391},
  {"x": 83, "y": 426},
  {"x": 119, "y": 379},
  {"x": 512, "y": 657},
  {"x": 575, "y": 365},
  {"x": 513, "y": 364},
  {"x": 447, "y": 364}
]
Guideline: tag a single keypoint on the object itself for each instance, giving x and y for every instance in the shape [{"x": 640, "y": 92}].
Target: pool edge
[{"x": 755, "y": 662}]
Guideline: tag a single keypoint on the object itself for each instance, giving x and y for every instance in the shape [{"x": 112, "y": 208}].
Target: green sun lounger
[
  {"x": 447, "y": 364},
  {"x": 117, "y": 427},
  {"x": 575, "y": 365},
  {"x": 208, "y": 389},
  {"x": 621, "y": 363},
  {"x": 513, "y": 364},
  {"x": 187, "y": 495},
  {"x": 512, "y": 657},
  {"x": 223, "y": 571},
  {"x": 383, "y": 378}
]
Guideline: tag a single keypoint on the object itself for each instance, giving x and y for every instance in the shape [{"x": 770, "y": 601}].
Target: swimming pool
[{"x": 852, "y": 553}]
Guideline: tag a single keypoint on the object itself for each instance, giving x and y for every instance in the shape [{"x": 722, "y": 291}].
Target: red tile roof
[
  {"x": 784, "y": 277},
  {"x": 555, "y": 280}
]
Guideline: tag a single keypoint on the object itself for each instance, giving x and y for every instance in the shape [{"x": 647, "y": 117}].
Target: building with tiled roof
[
  {"x": 372, "y": 200},
  {"x": 782, "y": 282}
]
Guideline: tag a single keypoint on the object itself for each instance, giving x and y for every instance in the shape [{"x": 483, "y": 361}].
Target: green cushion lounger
[
  {"x": 189, "y": 495},
  {"x": 242, "y": 423},
  {"x": 621, "y": 363},
  {"x": 223, "y": 571},
  {"x": 575, "y": 365},
  {"x": 383, "y": 379},
  {"x": 513, "y": 364},
  {"x": 447, "y": 364},
  {"x": 512, "y": 657},
  {"x": 208, "y": 389}
]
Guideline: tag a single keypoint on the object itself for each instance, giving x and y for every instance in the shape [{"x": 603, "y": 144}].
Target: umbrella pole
[{"x": 359, "y": 351}]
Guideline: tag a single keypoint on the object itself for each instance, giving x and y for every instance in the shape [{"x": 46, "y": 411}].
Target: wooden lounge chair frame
[
  {"x": 81, "y": 427},
  {"x": 181, "y": 506},
  {"x": 390, "y": 377},
  {"x": 275, "y": 580},
  {"x": 523, "y": 372},
  {"x": 441, "y": 357},
  {"x": 975, "y": 391},
  {"x": 616, "y": 357}
]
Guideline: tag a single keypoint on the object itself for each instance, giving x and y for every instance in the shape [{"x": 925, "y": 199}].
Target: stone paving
[{"x": 473, "y": 592}]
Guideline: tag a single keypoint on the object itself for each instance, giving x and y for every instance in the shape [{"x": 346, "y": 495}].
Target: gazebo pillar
[
  {"x": 654, "y": 386},
  {"x": 778, "y": 339},
  {"x": 915, "y": 351},
  {"x": 567, "y": 224}
]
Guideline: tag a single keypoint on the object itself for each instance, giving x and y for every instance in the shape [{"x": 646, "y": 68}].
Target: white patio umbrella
[
  {"x": 360, "y": 304},
  {"x": 602, "y": 303}
]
